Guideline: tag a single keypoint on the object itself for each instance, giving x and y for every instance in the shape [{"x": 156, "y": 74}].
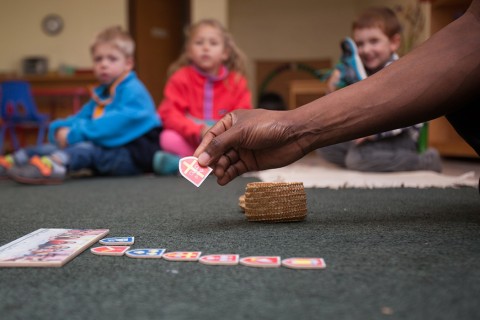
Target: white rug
[{"x": 317, "y": 173}]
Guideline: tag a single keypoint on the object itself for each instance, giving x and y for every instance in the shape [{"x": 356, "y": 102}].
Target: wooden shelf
[
  {"x": 442, "y": 135},
  {"x": 304, "y": 91},
  {"x": 53, "y": 80}
]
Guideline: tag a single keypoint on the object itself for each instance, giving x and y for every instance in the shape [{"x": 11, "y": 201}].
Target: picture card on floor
[{"x": 48, "y": 247}]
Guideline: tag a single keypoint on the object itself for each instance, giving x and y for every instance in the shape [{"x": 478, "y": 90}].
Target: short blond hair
[{"x": 117, "y": 37}]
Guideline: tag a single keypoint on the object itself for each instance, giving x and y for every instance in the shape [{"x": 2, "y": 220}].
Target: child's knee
[{"x": 172, "y": 142}]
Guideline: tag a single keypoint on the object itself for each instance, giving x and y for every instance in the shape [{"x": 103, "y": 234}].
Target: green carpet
[{"x": 390, "y": 253}]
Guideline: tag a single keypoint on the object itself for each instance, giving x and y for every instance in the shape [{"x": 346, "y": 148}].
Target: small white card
[{"x": 192, "y": 171}]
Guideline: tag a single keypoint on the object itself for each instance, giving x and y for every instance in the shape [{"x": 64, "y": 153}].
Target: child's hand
[
  {"x": 61, "y": 136},
  {"x": 333, "y": 81},
  {"x": 361, "y": 140}
]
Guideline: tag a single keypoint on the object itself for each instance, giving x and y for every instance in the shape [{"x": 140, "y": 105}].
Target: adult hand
[
  {"x": 61, "y": 136},
  {"x": 249, "y": 140},
  {"x": 204, "y": 131}
]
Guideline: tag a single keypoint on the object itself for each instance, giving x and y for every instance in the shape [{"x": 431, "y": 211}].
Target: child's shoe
[
  {"x": 39, "y": 170},
  {"x": 6, "y": 162},
  {"x": 165, "y": 163},
  {"x": 351, "y": 66}
]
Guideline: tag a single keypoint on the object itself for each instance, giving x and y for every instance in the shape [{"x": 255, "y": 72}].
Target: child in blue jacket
[{"x": 115, "y": 133}]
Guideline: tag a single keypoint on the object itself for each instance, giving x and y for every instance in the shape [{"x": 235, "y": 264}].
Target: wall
[
  {"x": 217, "y": 9},
  {"x": 279, "y": 29},
  {"x": 21, "y": 34},
  {"x": 289, "y": 30},
  {"x": 266, "y": 29},
  {"x": 300, "y": 29}
]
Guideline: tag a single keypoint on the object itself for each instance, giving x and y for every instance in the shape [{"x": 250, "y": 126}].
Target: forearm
[{"x": 433, "y": 80}]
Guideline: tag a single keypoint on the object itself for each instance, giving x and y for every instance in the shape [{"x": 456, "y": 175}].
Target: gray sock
[{"x": 430, "y": 160}]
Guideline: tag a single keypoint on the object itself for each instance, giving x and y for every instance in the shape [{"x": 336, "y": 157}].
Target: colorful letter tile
[
  {"x": 261, "y": 261},
  {"x": 182, "y": 256},
  {"x": 145, "y": 253},
  {"x": 118, "y": 241},
  {"x": 220, "y": 259},
  {"x": 110, "y": 250},
  {"x": 304, "y": 263}
]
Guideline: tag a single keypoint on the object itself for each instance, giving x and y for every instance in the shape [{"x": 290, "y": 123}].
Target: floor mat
[{"x": 315, "y": 172}]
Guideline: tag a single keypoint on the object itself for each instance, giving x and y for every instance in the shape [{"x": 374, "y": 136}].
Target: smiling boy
[{"x": 376, "y": 37}]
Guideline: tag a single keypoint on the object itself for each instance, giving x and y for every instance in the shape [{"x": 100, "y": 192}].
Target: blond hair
[
  {"x": 379, "y": 17},
  {"x": 117, "y": 37},
  {"x": 236, "y": 60}
]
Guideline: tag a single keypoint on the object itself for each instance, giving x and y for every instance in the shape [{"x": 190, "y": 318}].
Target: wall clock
[{"x": 52, "y": 24}]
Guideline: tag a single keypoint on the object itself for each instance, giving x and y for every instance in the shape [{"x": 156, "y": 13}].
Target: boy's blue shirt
[{"x": 130, "y": 115}]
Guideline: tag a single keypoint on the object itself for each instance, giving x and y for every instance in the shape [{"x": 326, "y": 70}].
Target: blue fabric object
[
  {"x": 103, "y": 161},
  {"x": 17, "y": 109},
  {"x": 351, "y": 66},
  {"x": 130, "y": 115}
]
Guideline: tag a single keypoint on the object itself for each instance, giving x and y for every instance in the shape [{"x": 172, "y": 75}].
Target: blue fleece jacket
[{"x": 130, "y": 115}]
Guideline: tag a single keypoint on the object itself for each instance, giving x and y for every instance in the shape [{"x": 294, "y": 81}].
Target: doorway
[{"x": 157, "y": 28}]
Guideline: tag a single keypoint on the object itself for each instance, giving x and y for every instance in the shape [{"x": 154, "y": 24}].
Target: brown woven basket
[
  {"x": 241, "y": 202},
  {"x": 274, "y": 187},
  {"x": 274, "y": 201}
]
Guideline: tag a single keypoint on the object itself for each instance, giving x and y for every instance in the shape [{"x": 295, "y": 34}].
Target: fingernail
[{"x": 203, "y": 158}]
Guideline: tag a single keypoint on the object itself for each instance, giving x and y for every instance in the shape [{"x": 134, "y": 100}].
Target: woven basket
[{"x": 274, "y": 201}]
